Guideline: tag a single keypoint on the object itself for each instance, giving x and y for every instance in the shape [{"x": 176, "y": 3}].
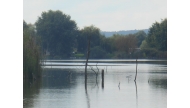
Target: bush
[
  {"x": 31, "y": 55},
  {"x": 153, "y": 53}
]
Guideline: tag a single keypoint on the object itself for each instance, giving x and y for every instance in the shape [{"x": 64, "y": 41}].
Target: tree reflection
[
  {"x": 87, "y": 97},
  {"x": 158, "y": 83},
  {"x": 96, "y": 84},
  {"x": 136, "y": 94},
  {"x": 30, "y": 88}
]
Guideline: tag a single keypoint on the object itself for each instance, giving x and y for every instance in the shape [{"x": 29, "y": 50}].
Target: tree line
[{"x": 61, "y": 38}]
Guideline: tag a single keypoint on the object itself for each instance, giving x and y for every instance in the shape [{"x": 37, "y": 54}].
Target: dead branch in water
[
  {"x": 97, "y": 66},
  {"x": 93, "y": 70},
  {"x": 136, "y": 70},
  {"x": 88, "y": 53}
]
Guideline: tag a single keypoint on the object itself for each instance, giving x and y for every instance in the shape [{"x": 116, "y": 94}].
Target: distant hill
[{"x": 122, "y": 32}]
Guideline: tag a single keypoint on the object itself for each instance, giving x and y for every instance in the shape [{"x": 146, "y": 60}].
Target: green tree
[
  {"x": 157, "y": 36},
  {"x": 107, "y": 44},
  {"x": 57, "y": 32},
  {"x": 144, "y": 44},
  {"x": 126, "y": 43},
  {"x": 31, "y": 52},
  {"x": 90, "y": 32},
  {"x": 141, "y": 35},
  {"x": 97, "y": 53},
  {"x": 25, "y": 26}
]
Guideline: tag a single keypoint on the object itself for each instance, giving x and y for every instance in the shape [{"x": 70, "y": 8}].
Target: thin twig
[
  {"x": 93, "y": 70},
  {"x": 97, "y": 66}
]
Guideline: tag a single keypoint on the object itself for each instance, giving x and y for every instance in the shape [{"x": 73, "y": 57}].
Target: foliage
[
  {"x": 141, "y": 35},
  {"x": 97, "y": 52},
  {"x": 31, "y": 52},
  {"x": 61, "y": 38},
  {"x": 119, "y": 55},
  {"x": 157, "y": 36},
  {"x": 108, "y": 45},
  {"x": 126, "y": 43},
  {"x": 89, "y": 32},
  {"x": 155, "y": 44},
  {"x": 144, "y": 45},
  {"x": 153, "y": 53},
  {"x": 57, "y": 32}
]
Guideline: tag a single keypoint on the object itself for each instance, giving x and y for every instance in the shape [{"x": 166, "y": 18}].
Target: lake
[{"x": 62, "y": 85}]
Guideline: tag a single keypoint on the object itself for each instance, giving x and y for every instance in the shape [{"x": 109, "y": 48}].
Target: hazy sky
[{"x": 108, "y": 15}]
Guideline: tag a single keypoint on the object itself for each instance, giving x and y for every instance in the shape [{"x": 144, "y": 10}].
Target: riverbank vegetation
[
  {"x": 62, "y": 39},
  {"x": 31, "y": 52}
]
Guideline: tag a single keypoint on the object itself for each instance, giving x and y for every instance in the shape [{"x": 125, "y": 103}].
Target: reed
[{"x": 31, "y": 56}]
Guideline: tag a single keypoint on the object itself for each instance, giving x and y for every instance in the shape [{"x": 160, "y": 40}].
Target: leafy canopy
[
  {"x": 157, "y": 36},
  {"x": 57, "y": 31}
]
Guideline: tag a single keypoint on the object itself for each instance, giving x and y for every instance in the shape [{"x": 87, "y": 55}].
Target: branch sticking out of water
[
  {"x": 88, "y": 53},
  {"x": 96, "y": 73},
  {"x": 93, "y": 70},
  {"x": 136, "y": 70}
]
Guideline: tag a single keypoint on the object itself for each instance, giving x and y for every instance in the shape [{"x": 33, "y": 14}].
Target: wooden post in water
[{"x": 102, "y": 78}]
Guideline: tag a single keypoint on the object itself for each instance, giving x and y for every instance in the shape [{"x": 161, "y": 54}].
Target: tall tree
[
  {"x": 126, "y": 43},
  {"x": 107, "y": 44},
  {"x": 85, "y": 33},
  {"x": 157, "y": 36},
  {"x": 31, "y": 52},
  {"x": 57, "y": 31}
]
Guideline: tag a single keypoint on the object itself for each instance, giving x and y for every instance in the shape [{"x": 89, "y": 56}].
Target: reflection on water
[
  {"x": 136, "y": 94},
  {"x": 158, "y": 82},
  {"x": 30, "y": 91},
  {"x": 63, "y": 86},
  {"x": 87, "y": 98}
]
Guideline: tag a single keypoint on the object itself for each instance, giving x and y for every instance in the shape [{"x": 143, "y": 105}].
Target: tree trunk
[
  {"x": 87, "y": 57},
  {"x": 136, "y": 71}
]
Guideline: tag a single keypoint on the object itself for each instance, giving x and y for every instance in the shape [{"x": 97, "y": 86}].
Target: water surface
[{"x": 63, "y": 85}]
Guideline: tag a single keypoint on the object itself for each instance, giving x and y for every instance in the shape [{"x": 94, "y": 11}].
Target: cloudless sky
[{"x": 108, "y": 15}]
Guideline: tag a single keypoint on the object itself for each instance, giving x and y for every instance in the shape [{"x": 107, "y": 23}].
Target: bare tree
[
  {"x": 136, "y": 70},
  {"x": 88, "y": 53}
]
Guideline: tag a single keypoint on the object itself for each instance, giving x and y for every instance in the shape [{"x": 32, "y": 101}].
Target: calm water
[{"x": 58, "y": 89}]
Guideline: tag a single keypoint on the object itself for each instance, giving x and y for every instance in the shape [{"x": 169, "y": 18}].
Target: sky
[{"x": 108, "y": 15}]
